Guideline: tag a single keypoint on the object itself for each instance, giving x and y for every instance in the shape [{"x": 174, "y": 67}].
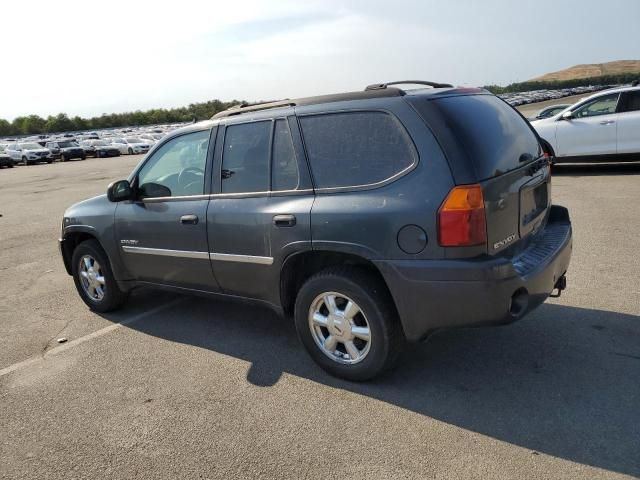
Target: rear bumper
[{"x": 432, "y": 294}]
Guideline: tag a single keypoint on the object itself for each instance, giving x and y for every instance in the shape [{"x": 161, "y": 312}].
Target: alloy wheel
[
  {"x": 92, "y": 278},
  {"x": 339, "y": 328}
]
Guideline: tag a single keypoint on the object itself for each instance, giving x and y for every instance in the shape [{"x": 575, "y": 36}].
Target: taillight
[{"x": 461, "y": 218}]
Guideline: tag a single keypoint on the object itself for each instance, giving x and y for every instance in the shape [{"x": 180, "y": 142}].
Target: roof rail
[
  {"x": 253, "y": 107},
  {"x": 382, "y": 86}
]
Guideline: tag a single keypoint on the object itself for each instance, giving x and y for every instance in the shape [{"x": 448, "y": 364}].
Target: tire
[
  {"x": 112, "y": 297},
  {"x": 50, "y": 161},
  {"x": 25, "y": 162},
  {"x": 63, "y": 158},
  {"x": 130, "y": 151},
  {"x": 375, "y": 310},
  {"x": 84, "y": 157},
  {"x": 97, "y": 155},
  {"x": 10, "y": 164}
]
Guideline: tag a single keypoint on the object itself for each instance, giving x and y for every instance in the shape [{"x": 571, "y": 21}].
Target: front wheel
[
  {"x": 83, "y": 157},
  {"x": 131, "y": 151},
  {"x": 347, "y": 322},
  {"x": 63, "y": 158},
  {"x": 94, "y": 278}
]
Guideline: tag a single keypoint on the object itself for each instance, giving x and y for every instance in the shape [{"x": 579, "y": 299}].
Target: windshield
[
  {"x": 134, "y": 140},
  {"x": 117, "y": 140},
  {"x": 67, "y": 144},
  {"x": 30, "y": 146},
  {"x": 100, "y": 143}
]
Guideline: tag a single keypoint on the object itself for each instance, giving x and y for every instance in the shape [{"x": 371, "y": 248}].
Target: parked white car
[
  {"x": 603, "y": 127},
  {"x": 28, "y": 153},
  {"x": 130, "y": 145}
]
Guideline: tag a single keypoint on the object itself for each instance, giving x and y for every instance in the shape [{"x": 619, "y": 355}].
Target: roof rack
[
  {"x": 382, "y": 86},
  {"x": 242, "y": 108},
  {"x": 253, "y": 107}
]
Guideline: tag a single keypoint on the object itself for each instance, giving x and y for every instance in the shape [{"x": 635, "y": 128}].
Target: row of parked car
[
  {"x": 534, "y": 96},
  {"x": 71, "y": 146}
]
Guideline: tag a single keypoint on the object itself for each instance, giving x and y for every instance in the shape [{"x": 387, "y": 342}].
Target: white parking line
[{"x": 86, "y": 338}]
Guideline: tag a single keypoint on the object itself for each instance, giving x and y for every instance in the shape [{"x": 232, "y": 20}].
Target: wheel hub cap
[
  {"x": 339, "y": 328},
  {"x": 92, "y": 278}
]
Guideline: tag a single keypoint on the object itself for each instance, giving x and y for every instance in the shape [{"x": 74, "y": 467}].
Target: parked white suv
[
  {"x": 28, "y": 153},
  {"x": 603, "y": 127}
]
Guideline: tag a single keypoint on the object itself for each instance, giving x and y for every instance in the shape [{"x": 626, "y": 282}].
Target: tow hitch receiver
[{"x": 560, "y": 285}]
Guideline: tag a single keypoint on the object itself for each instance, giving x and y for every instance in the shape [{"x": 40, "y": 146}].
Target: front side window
[
  {"x": 177, "y": 168},
  {"x": 245, "y": 159},
  {"x": 356, "y": 148},
  {"x": 284, "y": 167},
  {"x": 601, "y": 106}
]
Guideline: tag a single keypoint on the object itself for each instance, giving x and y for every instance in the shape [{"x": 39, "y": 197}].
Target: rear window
[
  {"x": 493, "y": 134},
  {"x": 356, "y": 148}
]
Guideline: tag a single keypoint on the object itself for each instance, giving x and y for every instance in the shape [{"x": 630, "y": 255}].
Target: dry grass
[{"x": 592, "y": 70}]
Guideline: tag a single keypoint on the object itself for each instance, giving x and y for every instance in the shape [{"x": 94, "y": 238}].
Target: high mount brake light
[{"x": 461, "y": 218}]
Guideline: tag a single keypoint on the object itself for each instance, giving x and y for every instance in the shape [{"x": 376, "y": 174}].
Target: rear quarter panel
[{"x": 366, "y": 222}]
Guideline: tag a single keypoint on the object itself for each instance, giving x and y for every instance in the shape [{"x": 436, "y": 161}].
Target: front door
[
  {"x": 591, "y": 131},
  {"x": 163, "y": 233},
  {"x": 261, "y": 211}
]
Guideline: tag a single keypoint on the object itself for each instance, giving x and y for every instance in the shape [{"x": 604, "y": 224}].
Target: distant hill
[{"x": 591, "y": 70}]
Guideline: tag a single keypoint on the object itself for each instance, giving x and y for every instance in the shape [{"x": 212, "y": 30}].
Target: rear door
[
  {"x": 261, "y": 209},
  {"x": 629, "y": 122},
  {"x": 591, "y": 131}
]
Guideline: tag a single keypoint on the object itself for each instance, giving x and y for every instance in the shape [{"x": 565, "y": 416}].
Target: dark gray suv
[{"x": 373, "y": 217}]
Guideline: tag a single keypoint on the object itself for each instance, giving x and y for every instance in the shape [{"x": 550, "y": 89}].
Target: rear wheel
[
  {"x": 346, "y": 320},
  {"x": 130, "y": 151},
  {"x": 84, "y": 157},
  {"x": 94, "y": 278},
  {"x": 97, "y": 155},
  {"x": 25, "y": 162}
]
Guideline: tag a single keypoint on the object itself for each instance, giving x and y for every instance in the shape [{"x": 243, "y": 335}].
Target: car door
[
  {"x": 591, "y": 130},
  {"x": 14, "y": 152},
  {"x": 629, "y": 122},
  {"x": 260, "y": 213},
  {"x": 162, "y": 234}
]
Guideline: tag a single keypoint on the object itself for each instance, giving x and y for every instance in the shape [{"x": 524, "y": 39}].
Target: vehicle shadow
[
  {"x": 564, "y": 381},
  {"x": 592, "y": 169}
]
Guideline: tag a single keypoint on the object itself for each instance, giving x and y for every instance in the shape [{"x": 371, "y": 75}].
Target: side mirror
[
  {"x": 567, "y": 115},
  {"x": 119, "y": 191}
]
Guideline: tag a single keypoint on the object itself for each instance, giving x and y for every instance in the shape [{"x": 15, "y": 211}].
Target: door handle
[
  {"x": 607, "y": 122},
  {"x": 189, "y": 219},
  {"x": 284, "y": 220}
]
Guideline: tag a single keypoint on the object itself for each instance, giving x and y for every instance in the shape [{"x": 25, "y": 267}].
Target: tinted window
[
  {"x": 489, "y": 131},
  {"x": 245, "y": 160},
  {"x": 630, "y": 102},
  {"x": 601, "y": 106},
  {"x": 285, "y": 166},
  {"x": 356, "y": 148},
  {"x": 178, "y": 165}
]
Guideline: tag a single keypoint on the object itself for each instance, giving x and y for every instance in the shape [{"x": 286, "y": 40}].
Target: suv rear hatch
[{"x": 487, "y": 142}]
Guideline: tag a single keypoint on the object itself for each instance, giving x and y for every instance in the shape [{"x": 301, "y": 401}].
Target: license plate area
[{"x": 534, "y": 201}]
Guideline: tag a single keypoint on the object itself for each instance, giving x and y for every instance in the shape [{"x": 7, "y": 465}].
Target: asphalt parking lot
[{"x": 185, "y": 387}]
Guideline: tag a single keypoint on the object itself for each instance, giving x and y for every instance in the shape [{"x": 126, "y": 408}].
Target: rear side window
[
  {"x": 493, "y": 135},
  {"x": 285, "y": 175},
  {"x": 245, "y": 161},
  {"x": 356, "y": 148},
  {"x": 630, "y": 101}
]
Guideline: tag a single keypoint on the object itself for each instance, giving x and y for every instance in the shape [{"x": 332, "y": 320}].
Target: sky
[{"x": 88, "y": 58}]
